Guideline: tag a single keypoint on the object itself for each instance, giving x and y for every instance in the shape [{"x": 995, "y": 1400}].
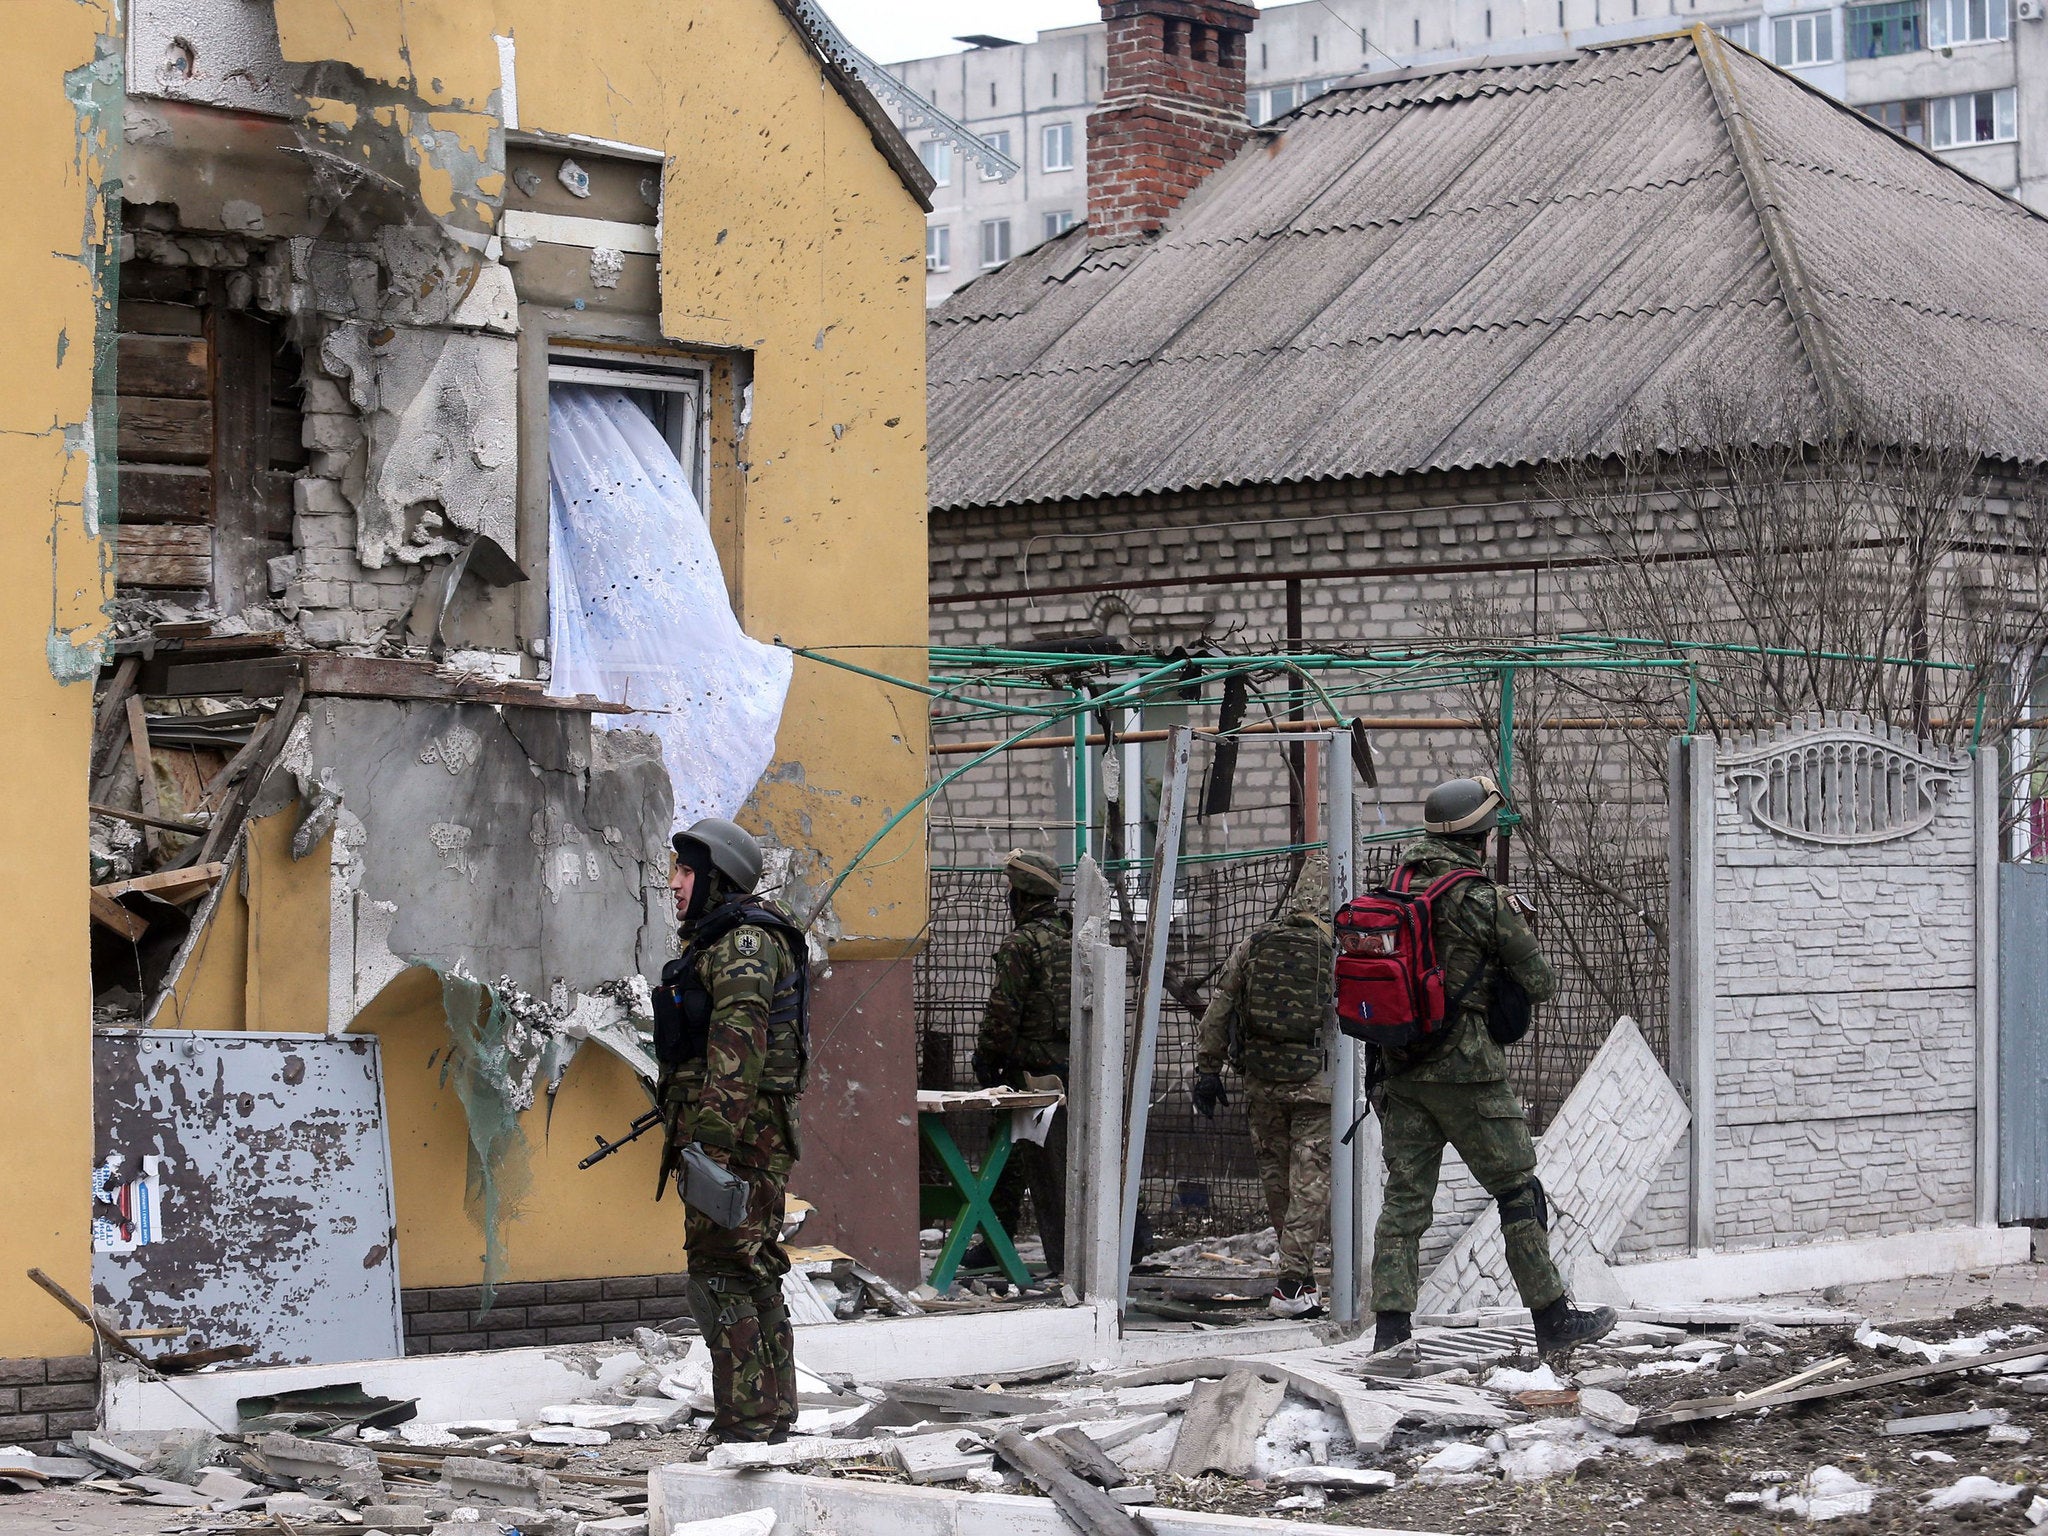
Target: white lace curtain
[{"x": 637, "y": 607}]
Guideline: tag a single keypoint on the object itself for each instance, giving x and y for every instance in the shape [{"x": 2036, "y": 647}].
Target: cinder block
[
  {"x": 575, "y": 1290},
  {"x": 72, "y": 1368},
  {"x": 629, "y": 1285},
  {"x": 65, "y": 1397},
  {"x": 26, "y": 1372}
]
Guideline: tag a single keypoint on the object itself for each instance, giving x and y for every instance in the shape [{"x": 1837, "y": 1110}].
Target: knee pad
[
  {"x": 1528, "y": 1203},
  {"x": 717, "y": 1302}
]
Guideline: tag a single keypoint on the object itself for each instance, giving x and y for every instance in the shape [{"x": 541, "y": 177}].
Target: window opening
[
  {"x": 1806, "y": 39},
  {"x": 1977, "y": 117},
  {"x": 938, "y": 248},
  {"x": 1908, "y": 119},
  {"x": 995, "y": 242},
  {"x": 937, "y": 156},
  {"x": 999, "y": 141},
  {"x": 671, "y": 394},
  {"x": 1057, "y": 146},
  {"x": 1058, "y": 222},
  {"x": 1950, "y": 22}
]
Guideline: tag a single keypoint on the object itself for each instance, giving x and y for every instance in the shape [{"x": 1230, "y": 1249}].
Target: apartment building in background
[{"x": 1964, "y": 78}]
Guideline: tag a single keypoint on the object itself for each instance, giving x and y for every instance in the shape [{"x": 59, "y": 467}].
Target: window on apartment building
[
  {"x": 1747, "y": 33},
  {"x": 1978, "y": 117},
  {"x": 999, "y": 141},
  {"x": 1056, "y": 146},
  {"x": 938, "y": 248},
  {"x": 1058, "y": 222},
  {"x": 937, "y": 156},
  {"x": 1877, "y": 31},
  {"x": 995, "y": 242},
  {"x": 1950, "y": 22},
  {"x": 1804, "y": 39},
  {"x": 1908, "y": 119}
]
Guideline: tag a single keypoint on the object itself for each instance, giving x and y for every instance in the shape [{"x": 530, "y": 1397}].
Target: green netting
[{"x": 491, "y": 1063}]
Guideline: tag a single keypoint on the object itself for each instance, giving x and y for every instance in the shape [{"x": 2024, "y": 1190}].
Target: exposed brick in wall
[
  {"x": 1172, "y": 110},
  {"x": 43, "y": 1400},
  {"x": 445, "y": 1319}
]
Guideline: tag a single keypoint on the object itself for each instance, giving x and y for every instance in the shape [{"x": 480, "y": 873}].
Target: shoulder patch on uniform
[{"x": 747, "y": 942}]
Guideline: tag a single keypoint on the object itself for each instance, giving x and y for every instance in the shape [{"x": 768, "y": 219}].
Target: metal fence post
[
  {"x": 1345, "y": 1181},
  {"x": 1158, "y": 925}
]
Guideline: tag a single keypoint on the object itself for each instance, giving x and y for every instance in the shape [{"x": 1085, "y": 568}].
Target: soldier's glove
[
  {"x": 988, "y": 1069},
  {"x": 1208, "y": 1093}
]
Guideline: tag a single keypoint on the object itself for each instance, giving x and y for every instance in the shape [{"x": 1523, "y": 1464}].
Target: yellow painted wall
[
  {"x": 50, "y": 625},
  {"x": 788, "y": 235}
]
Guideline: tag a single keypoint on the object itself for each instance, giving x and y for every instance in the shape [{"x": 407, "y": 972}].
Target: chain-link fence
[{"x": 1199, "y": 1174}]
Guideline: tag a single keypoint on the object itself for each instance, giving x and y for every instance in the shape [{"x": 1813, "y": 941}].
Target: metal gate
[{"x": 2022, "y": 1042}]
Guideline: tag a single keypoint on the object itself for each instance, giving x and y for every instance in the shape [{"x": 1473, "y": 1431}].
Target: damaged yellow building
[{"x": 324, "y": 635}]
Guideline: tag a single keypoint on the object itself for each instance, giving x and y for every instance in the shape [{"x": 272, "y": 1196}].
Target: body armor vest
[
  {"x": 682, "y": 1003},
  {"x": 1288, "y": 989}
]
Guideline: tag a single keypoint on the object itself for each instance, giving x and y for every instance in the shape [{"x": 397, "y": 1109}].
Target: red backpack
[{"x": 1390, "y": 988}]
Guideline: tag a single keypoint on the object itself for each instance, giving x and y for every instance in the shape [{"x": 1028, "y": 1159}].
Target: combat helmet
[
  {"x": 1032, "y": 873},
  {"x": 732, "y": 849},
  {"x": 1463, "y": 807}
]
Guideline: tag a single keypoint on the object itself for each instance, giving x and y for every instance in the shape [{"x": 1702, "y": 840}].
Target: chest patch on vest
[{"x": 747, "y": 943}]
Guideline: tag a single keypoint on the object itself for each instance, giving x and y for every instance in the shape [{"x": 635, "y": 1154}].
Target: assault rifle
[
  {"x": 634, "y": 1132},
  {"x": 717, "y": 1192}
]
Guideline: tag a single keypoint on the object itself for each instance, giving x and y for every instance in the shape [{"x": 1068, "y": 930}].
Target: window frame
[
  {"x": 1912, "y": 15},
  {"x": 1064, "y": 132},
  {"x": 940, "y": 235},
  {"x": 2004, "y": 124},
  {"x": 1818, "y": 26},
  {"x": 937, "y": 155},
  {"x": 1065, "y": 216},
  {"x": 1941, "y": 13},
  {"x": 1908, "y": 107},
  {"x": 1745, "y": 32},
  {"x": 679, "y": 381},
  {"x": 988, "y": 227}
]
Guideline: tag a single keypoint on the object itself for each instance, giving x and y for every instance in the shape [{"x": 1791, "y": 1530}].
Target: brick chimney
[{"x": 1172, "y": 111}]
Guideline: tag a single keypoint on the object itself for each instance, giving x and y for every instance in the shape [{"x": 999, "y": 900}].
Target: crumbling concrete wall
[{"x": 513, "y": 844}]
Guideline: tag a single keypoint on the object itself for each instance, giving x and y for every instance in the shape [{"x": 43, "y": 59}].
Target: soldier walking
[
  {"x": 1025, "y": 1033},
  {"x": 1453, "y": 1087},
  {"x": 735, "y": 1007},
  {"x": 1270, "y": 1019}
]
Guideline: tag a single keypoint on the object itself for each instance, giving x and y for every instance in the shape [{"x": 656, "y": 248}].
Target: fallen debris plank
[
  {"x": 392, "y": 677},
  {"x": 684, "y": 1492},
  {"x": 799, "y": 1450},
  {"x": 110, "y": 914},
  {"x": 1224, "y": 1422},
  {"x": 91, "y": 1319},
  {"x": 1811, "y": 1373},
  {"x": 1172, "y": 1373},
  {"x": 145, "y": 767},
  {"x": 113, "y": 714},
  {"x": 1713, "y": 1316},
  {"x": 1111, "y": 1433},
  {"x": 886, "y": 1295},
  {"x": 959, "y": 1400},
  {"x": 1693, "y": 1410},
  {"x": 162, "y": 823},
  {"x": 1086, "y": 1457},
  {"x": 1336, "y": 1477},
  {"x": 1094, "y": 1511},
  {"x": 172, "y": 885},
  {"x": 1946, "y": 1423}
]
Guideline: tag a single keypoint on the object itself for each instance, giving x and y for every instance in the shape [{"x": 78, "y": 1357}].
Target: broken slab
[
  {"x": 800, "y": 1450},
  {"x": 1605, "y": 1410},
  {"x": 1597, "y": 1160},
  {"x": 685, "y": 1492},
  {"x": 1336, "y": 1477},
  {"x": 942, "y": 1458},
  {"x": 1224, "y": 1422},
  {"x": 1946, "y": 1423}
]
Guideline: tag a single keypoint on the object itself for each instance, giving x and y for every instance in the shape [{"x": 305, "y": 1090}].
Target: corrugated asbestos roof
[{"x": 1488, "y": 266}]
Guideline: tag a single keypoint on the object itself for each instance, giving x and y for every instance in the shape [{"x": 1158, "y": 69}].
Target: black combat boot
[
  {"x": 1389, "y": 1329},
  {"x": 1562, "y": 1327}
]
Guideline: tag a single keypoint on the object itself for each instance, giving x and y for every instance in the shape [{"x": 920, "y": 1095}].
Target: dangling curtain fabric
[{"x": 637, "y": 611}]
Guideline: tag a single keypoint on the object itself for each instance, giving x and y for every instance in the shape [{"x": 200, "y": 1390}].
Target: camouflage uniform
[
  {"x": 1455, "y": 1089},
  {"x": 1269, "y": 1017},
  {"x": 1025, "y": 1031},
  {"x": 740, "y": 1103}
]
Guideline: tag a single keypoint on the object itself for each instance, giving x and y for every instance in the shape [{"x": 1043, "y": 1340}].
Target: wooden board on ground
[{"x": 1693, "y": 1410}]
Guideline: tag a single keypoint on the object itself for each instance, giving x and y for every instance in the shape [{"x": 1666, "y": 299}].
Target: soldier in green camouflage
[
  {"x": 1454, "y": 1086},
  {"x": 1024, "y": 1034},
  {"x": 737, "y": 1001},
  {"x": 1269, "y": 1017}
]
